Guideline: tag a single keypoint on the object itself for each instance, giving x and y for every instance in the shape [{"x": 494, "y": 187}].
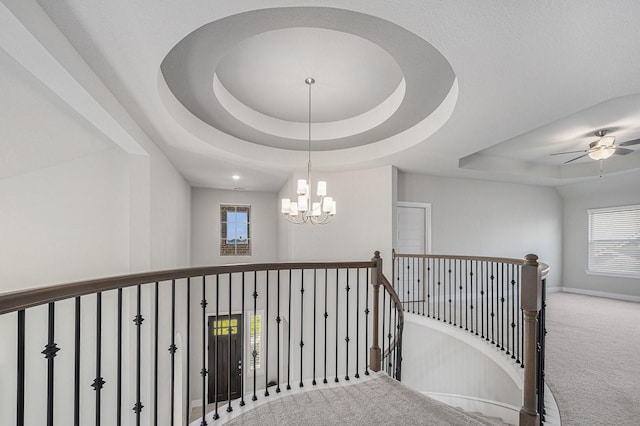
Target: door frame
[
  {"x": 223, "y": 315},
  {"x": 427, "y": 220}
]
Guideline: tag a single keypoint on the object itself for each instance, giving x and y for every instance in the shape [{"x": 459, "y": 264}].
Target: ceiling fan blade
[
  {"x": 623, "y": 151},
  {"x": 577, "y": 158},
  {"x": 568, "y": 152},
  {"x": 628, "y": 143}
]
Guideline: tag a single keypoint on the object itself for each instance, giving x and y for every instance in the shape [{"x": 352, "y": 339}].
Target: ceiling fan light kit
[{"x": 603, "y": 148}]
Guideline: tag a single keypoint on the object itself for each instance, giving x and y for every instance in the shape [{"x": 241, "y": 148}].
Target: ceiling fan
[{"x": 603, "y": 148}]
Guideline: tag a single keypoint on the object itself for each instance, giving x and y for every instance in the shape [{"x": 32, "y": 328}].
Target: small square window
[{"x": 235, "y": 230}]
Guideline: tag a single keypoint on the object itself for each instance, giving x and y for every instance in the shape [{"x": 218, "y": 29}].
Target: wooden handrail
[
  {"x": 399, "y": 308},
  {"x": 507, "y": 260},
  {"x": 544, "y": 268},
  {"x": 23, "y": 299}
]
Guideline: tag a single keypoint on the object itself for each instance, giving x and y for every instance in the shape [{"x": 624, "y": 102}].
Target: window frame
[
  {"x": 590, "y": 241},
  {"x": 259, "y": 370},
  {"x": 234, "y": 249}
]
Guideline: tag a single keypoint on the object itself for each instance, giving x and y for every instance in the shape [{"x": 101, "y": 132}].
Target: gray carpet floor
[
  {"x": 380, "y": 401},
  {"x": 593, "y": 359},
  {"x": 592, "y": 368}
]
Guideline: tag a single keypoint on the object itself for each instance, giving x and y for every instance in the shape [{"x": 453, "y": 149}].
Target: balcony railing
[
  {"x": 499, "y": 300},
  {"x": 141, "y": 348},
  {"x": 148, "y": 348}
]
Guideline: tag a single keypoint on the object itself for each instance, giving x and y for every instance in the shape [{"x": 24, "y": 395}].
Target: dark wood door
[{"x": 225, "y": 340}]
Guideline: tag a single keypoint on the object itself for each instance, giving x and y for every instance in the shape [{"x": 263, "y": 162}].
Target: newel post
[
  {"x": 375, "y": 354},
  {"x": 531, "y": 303}
]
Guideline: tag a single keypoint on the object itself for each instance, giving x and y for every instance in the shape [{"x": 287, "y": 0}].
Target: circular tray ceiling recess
[{"x": 244, "y": 75}]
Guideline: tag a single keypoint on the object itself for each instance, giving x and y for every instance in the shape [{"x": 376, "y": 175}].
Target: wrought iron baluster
[
  {"x": 366, "y": 326},
  {"x": 289, "y": 335},
  {"x": 76, "y": 375},
  {"x": 468, "y": 307},
  {"x": 389, "y": 336},
  {"x": 254, "y": 352},
  {"x": 315, "y": 279},
  {"x": 513, "y": 313},
  {"x": 404, "y": 282},
  {"x": 502, "y": 319},
  {"x": 347, "y": 288},
  {"x": 118, "y": 362},
  {"x": 441, "y": 299},
  {"x": 510, "y": 309},
  {"x": 476, "y": 292},
  {"x": 482, "y": 316},
  {"x": 540, "y": 355},
  {"x": 430, "y": 286},
  {"x": 98, "y": 382},
  {"x": 494, "y": 295},
  {"x": 413, "y": 284},
  {"x": 395, "y": 339},
  {"x": 397, "y": 271},
  {"x": 188, "y": 378},
  {"x": 278, "y": 319},
  {"x": 357, "y": 374},
  {"x": 451, "y": 287},
  {"x": 266, "y": 340},
  {"x": 155, "y": 355},
  {"x": 50, "y": 351},
  {"x": 382, "y": 335},
  {"x": 229, "y": 334},
  {"x": 520, "y": 322},
  {"x": 242, "y": 345},
  {"x": 326, "y": 315},
  {"x": 216, "y": 338},
  {"x": 336, "y": 321},
  {"x": 137, "y": 408},
  {"x": 421, "y": 284},
  {"x": 21, "y": 366},
  {"x": 463, "y": 313},
  {"x": 301, "y": 322},
  {"x": 203, "y": 372}
]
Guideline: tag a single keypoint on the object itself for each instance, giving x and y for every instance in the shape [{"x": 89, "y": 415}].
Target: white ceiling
[{"x": 482, "y": 89}]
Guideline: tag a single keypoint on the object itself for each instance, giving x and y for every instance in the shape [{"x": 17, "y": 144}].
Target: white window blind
[
  {"x": 614, "y": 240},
  {"x": 255, "y": 341}
]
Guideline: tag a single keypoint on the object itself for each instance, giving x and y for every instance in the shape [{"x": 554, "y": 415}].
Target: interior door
[
  {"x": 412, "y": 239},
  {"x": 225, "y": 339}
]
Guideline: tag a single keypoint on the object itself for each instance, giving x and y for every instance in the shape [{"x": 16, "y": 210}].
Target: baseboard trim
[
  {"x": 604, "y": 294},
  {"x": 506, "y": 412}
]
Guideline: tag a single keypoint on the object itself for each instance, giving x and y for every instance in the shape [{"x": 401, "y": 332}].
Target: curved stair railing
[
  {"x": 500, "y": 300},
  {"x": 142, "y": 348}
]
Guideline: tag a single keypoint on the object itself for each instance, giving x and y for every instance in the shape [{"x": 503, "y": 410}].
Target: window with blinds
[
  {"x": 255, "y": 341},
  {"x": 614, "y": 240}
]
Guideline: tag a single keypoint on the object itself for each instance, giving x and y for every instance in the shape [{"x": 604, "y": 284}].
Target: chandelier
[{"x": 307, "y": 208}]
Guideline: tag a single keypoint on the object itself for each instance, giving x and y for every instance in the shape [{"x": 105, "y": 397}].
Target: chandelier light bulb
[
  {"x": 286, "y": 206},
  {"x": 322, "y": 188}
]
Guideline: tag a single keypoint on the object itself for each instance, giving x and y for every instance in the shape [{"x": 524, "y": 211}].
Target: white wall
[
  {"x": 205, "y": 232},
  {"x": 474, "y": 217},
  {"x": 362, "y": 225},
  {"x": 66, "y": 222},
  {"x": 460, "y": 369},
  {"x": 608, "y": 191},
  {"x": 170, "y": 216}
]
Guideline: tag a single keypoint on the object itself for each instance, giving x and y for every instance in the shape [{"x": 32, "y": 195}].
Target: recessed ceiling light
[{"x": 235, "y": 177}]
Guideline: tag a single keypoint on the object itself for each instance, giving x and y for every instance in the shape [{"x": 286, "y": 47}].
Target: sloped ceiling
[{"x": 471, "y": 89}]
